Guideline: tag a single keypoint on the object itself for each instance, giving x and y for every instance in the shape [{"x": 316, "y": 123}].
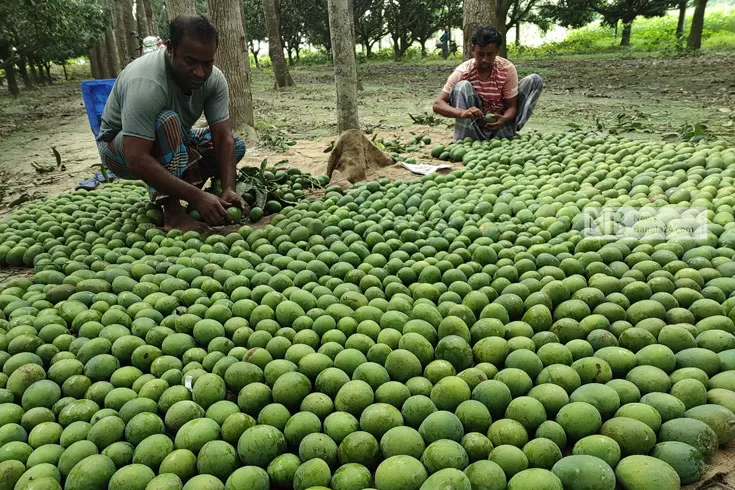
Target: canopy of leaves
[{"x": 50, "y": 30}]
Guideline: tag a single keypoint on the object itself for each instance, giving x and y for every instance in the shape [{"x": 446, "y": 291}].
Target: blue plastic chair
[{"x": 94, "y": 94}]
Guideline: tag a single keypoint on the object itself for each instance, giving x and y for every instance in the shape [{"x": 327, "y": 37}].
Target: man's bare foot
[{"x": 175, "y": 217}]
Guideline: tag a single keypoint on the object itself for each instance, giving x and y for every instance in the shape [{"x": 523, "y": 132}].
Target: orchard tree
[
  {"x": 345, "y": 66},
  {"x": 695, "y": 33},
  {"x": 575, "y": 13},
  {"x": 254, "y": 25},
  {"x": 275, "y": 46},
  {"x": 35, "y": 34},
  {"x": 316, "y": 23},
  {"x": 401, "y": 16},
  {"x": 180, "y": 7},
  {"x": 293, "y": 27},
  {"x": 475, "y": 14},
  {"x": 370, "y": 25},
  {"x": 232, "y": 59}
]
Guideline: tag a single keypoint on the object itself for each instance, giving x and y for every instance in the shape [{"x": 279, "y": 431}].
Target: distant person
[
  {"x": 146, "y": 131},
  {"x": 486, "y": 88},
  {"x": 444, "y": 40}
]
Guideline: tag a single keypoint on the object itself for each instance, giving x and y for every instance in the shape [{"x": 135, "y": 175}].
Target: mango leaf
[
  {"x": 57, "y": 155},
  {"x": 261, "y": 197}
]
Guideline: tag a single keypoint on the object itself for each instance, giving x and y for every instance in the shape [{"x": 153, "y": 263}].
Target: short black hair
[
  {"x": 485, "y": 35},
  {"x": 195, "y": 26}
]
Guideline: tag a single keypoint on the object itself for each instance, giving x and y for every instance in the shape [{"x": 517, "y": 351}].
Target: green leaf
[
  {"x": 57, "y": 156},
  {"x": 261, "y": 197}
]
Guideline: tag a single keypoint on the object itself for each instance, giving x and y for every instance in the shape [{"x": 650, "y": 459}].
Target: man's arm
[
  {"x": 224, "y": 152},
  {"x": 443, "y": 108},
  {"x": 140, "y": 162}
]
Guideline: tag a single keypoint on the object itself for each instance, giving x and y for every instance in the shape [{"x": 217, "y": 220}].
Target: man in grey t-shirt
[{"x": 146, "y": 131}]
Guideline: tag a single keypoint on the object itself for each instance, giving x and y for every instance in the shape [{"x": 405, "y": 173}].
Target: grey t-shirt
[{"x": 146, "y": 87}]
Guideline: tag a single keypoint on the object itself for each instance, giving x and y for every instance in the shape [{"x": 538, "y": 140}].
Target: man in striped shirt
[{"x": 483, "y": 94}]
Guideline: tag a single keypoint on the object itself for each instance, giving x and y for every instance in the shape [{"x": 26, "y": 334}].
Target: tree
[
  {"x": 316, "y": 22},
  {"x": 428, "y": 23},
  {"x": 232, "y": 59},
  {"x": 683, "y": 4},
  {"x": 254, "y": 20},
  {"x": 695, "y": 33},
  {"x": 369, "y": 23},
  {"x": 150, "y": 17},
  {"x": 141, "y": 19},
  {"x": 7, "y": 62},
  {"x": 118, "y": 24},
  {"x": 476, "y": 13},
  {"x": 113, "y": 62},
  {"x": 400, "y": 17},
  {"x": 275, "y": 46},
  {"x": 345, "y": 66},
  {"x": 180, "y": 7},
  {"x": 129, "y": 24},
  {"x": 574, "y": 13},
  {"x": 35, "y": 33},
  {"x": 291, "y": 26}
]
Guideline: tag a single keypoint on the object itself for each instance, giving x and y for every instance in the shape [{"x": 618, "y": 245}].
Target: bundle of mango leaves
[{"x": 268, "y": 189}]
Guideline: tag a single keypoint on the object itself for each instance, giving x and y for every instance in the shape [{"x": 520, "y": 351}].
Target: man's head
[
  {"x": 486, "y": 42},
  {"x": 191, "y": 49}
]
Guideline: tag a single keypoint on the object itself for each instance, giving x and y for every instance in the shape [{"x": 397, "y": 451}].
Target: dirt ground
[
  {"x": 641, "y": 97},
  {"x": 638, "y": 96}
]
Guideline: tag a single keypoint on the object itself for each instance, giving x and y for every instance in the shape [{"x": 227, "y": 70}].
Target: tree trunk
[
  {"x": 232, "y": 59},
  {"x": 345, "y": 66},
  {"x": 119, "y": 27},
  {"x": 150, "y": 16},
  {"x": 34, "y": 75},
  {"x": 42, "y": 75},
  {"x": 93, "y": 68},
  {"x": 63, "y": 66},
  {"x": 516, "y": 10},
  {"x": 47, "y": 66},
  {"x": 477, "y": 13},
  {"x": 12, "y": 81},
  {"x": 351, "y": 17},
  {"x": 98, "y": 51},
  {"x": 23, "y": 70},
  {"x": 682, "y": 18},
  {"x": 126, "y": 7},
  {"x": 625, "y": 37},
  {"x": 110, "y": 54},
  {"x": 289, "y": 55},
  {"x": 141, "y": 19},
  {"x": 275, "y": 45},
  {"x": 255, "y": 54},
  {"x": 695, "y": 33},
  {"x": 180, "y": 7},
  {"x": 423, "y": 48}
]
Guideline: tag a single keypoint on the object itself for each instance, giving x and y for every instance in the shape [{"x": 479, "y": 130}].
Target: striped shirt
[{"x": 502, "y": 84}]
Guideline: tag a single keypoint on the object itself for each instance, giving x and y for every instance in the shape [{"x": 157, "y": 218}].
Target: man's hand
[
  {"x": 500, "y": 121},
  {"x": 471, "y": 113},
  {"x": 234, "y": 200},
  {"x": 211, "y": 207}
]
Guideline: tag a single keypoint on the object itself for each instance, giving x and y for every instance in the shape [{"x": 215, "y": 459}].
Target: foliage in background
[{"x": 655, "y": 34}]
